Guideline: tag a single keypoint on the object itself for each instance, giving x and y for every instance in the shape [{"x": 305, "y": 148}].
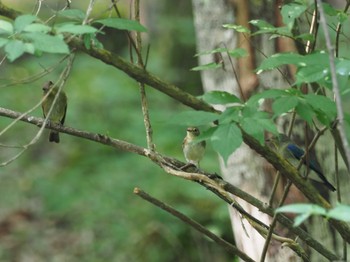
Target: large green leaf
[
  {"x": 300, "y": 208},
  {"x": 226, "y": 139},
  {"x": 305, "y": 111},
  {"x": 270, "y": 93},
  {"x": 277, "y": 60},
  {"x": 212, "y": 65},
  {"x": 6, "y": 27},
  {"x": 3, "y": 41},
  {"x": 14, "y": 49},
  {"x": 220, "y": 97},
  {"x": 292, "y": 11},
  {"x": 35, "y": 27},
  {"x": 122, "y": 24},
  {"x": 75, "y": 14},
  {"x": 75, "y": 29},
  {"x": 47, "y": 43},
  {"x": 238, "y": 28},
  {"x": 284, "y": 104},
  {"x": 340, "y": 212},
  {"x": 325, "y": 105},
  {"x": 22, "y": 21}
]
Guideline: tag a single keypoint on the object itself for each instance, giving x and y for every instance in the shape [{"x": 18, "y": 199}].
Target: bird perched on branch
[
  {"x": 58, "y": 112},
  {"x": 291, "y": 152},
  {"x": 193, "y": 150}
]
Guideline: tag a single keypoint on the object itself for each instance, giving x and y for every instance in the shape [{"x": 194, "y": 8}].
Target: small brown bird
[
  {"x": 193, "y": 151},
  {"x": 58, "y": 113}
]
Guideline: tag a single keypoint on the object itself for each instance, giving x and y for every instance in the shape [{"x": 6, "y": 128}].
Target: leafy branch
[{"x": 212, "y": 182}]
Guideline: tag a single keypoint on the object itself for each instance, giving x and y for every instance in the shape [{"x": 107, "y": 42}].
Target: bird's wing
[
  {"x": 64, "y": 115},
  {"x": 296, "y": 151}
]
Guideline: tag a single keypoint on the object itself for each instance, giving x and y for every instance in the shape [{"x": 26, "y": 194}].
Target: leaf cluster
[{"x": 28, "y": 34}]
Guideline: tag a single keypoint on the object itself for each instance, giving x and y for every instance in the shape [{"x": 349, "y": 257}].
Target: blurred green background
[{"x": 74, "y": 201}]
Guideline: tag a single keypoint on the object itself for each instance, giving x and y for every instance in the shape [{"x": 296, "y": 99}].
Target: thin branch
[
  {"x": 228, "y": 246},
  {"x": 338, "y": 30},
  {"x": 144, "y": 102},
  {"x": 217, "y": 187},
  {"x": 338, "y": 101},
  {"x": 88, "y": 11},
  {"x": 34, "y": 77},
  {"x": 64, "y": 76}
]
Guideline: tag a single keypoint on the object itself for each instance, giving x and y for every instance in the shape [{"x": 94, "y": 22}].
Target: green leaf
[
  {"x": 306, "y": 37},
  {"x": 76, "y": 29},
  {"x": 226, "y": 139},
  {"x": 300, "y": 219},
  {"x": 266, "y": 94},
  {"x": 6, "y": 27},
  {"x": 3, "y": 41},
  {"x": 232, "y": 113},
  {"x": 238, "y": 52},
  {"x": 75, "y": 14},
  {"x": 311, "y": 73},
  {"x": 206, "y": 134},
  {"x": 284, "y": 104},
  {"x": 122, "y": 24},
  {"x": 292, "y": 11},
  {"x": 14, "y": 49},
  {"x": 29, "y": 48},
  {"x": 340, "y": 212},
  {"x": 220, "y": 97},
  {"x": 238, "y": 28},
  {"x": 329, "y": 10},
  {"x": 301, "y": 208},
  {"x": 262, "y": 25},
  {"x": 22, "y": 21},
  {"x": 322, "y": 103},
  {"x": 47, "y": 43},
  {"x": 37, "y": 28},
  {"x": 87, "y": 40},
  {"x": 305, "y": 111},
  {"x": 343, "y": 66},
  {"x": 251, "y": 126},
  {"x": 212, "y": 65},
  {"x": 193, "y": 118},
  {"x": 277, "y": 60}
]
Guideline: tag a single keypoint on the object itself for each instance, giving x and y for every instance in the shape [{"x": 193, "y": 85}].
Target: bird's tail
[{"x": 54, "y": 137}]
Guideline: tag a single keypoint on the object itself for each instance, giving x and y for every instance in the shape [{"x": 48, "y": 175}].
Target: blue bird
[{"x": 293, "y": 154}]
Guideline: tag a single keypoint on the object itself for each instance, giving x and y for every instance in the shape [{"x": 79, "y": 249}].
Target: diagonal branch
[
  {"x": 142, "y": 76},
  {"x": 228, "y": 246},
  {"x": 217, "y": 185}
]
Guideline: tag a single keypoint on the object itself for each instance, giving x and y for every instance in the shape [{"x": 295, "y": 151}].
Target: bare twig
[
  {"x": 35, "y": 76},
  {"x": 338, "y": 30},
  {"x": 64, "y": 77},
  {"x": 144, "y": 102},
  {"x": 88, "y": 11},
  {"x": 228, "y": 246}
]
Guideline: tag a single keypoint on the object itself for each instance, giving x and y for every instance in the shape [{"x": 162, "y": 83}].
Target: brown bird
[
  {"x": 58, "y": 113},
  {"x": 193, "y": 151}
]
